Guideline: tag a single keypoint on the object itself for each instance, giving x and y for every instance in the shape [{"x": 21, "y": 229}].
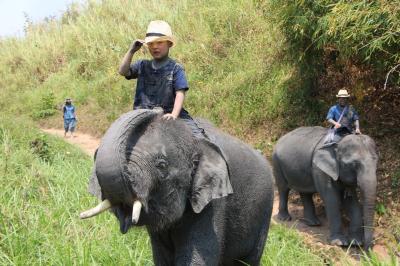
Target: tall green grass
[{"x": 43, "y": 189}]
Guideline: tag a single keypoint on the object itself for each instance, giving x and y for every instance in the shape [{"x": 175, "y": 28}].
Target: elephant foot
[
  {"x": 311, "y": 221},
  {"x": 355, "y": 240},
  {"x": 284, "y": 216},
  {"x": 339, "y": 240}
]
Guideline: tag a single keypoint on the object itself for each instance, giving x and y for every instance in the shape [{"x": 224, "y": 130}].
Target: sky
[{"x": 12, "y": 17}]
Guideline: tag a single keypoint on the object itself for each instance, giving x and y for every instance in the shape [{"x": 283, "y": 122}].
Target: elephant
[
  {"x": 203, "y": 201},
  {"x": 338, "y": 173}
]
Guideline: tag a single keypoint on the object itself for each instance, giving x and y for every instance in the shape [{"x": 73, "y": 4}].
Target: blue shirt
[
  {"x": 349, "y": 116},
  {"x": 158, "y": 87},
  {"x": 69, "y": 111}
]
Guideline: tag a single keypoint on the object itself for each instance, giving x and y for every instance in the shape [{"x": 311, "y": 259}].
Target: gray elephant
[
  {"x": 203, "y": 202},
  {"x": 302, "y": 163}
]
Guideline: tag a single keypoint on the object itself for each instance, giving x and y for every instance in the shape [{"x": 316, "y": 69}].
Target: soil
[
  {"x": 315, "y": 237},
  {"x": 86, "y": 142}
]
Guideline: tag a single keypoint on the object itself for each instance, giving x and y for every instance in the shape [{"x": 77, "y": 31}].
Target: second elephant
[{"x": 301, "y": 163}]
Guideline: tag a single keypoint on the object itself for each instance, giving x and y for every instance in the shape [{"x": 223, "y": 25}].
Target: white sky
[{"x": 12, "y": 18}]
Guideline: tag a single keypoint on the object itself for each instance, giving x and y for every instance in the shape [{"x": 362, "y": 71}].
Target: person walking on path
[
  {"x": 161, "y": 82},
  {"x": 69, "y": 117}
]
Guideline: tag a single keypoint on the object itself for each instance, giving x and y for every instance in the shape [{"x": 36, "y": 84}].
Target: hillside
[{"x": 257, "y": 69}]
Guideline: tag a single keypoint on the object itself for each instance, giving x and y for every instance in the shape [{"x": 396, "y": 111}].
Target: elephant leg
[
  {"x": 283, "y": 213},
  {"x": 283, "y": 190},
  {"x": 196, "y": 240},
  {"x": 310, "y": 218},
  {"x": 354, "y": 213},
  {"x": 161, "y": 249},
  {"x": 330, "y": 194}
]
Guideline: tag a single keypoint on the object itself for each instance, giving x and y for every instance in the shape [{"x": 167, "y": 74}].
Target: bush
[{"x": 45, "y": 107}]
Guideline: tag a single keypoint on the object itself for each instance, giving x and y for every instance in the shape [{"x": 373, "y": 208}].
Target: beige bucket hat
[
  {"x": 159, "y": 30},
  {"x": 343, "y": 94}
]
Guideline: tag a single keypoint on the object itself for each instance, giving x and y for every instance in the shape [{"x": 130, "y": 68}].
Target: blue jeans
[{"x": 69, "y": 124}]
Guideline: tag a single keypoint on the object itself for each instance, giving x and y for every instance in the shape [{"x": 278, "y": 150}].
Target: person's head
[
  {"x": 68, "y": 101},
  {"x": 159, "y": 39},
  {"x": 343, "y": 97}
]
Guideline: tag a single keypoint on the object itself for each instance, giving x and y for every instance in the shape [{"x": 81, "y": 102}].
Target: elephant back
[{"x": 294, "y": 151}]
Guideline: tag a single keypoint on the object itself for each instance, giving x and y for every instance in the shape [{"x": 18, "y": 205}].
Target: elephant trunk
[
  {"x": 368, "y": 193},
  {"x": 113, "y": 162}
]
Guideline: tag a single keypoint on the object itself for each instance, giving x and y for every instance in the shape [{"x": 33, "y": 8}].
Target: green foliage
[
  {"x": 40, "y": 203},
  {"x": 367, "y": 31},
  {"x": 41, "y": 147},
  {"x": 45, "y": 107},
  {"x": 380, "y": 208}
]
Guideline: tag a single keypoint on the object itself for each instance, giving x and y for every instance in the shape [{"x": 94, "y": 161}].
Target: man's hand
[
  {"x": 358, "y": 132},
  {"x": 136, "y": 45},
  {"x": 337, "y": 125},
  {"x": 169, "y": 117}
]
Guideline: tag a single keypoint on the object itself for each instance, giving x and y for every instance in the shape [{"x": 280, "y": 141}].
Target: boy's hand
[
  {"x": 337, "y": 125},
  {"x": 169, "y": 117},
  {"x": 136, "y": 45}
]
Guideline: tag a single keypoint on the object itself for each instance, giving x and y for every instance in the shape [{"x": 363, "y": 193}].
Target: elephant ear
[
  {"x": 211, "y": 179},
  {"x": 325, "y": 160}
]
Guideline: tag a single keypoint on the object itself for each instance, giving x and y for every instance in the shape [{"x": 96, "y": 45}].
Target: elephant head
[
  {"x": 354, "y": 163},
  {"x": 148, "y": 169}
]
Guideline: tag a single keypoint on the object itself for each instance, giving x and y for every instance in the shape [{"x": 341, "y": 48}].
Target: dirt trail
[
  {"x": 86, "y": 142},
  {"x": 316, "y": 237}
]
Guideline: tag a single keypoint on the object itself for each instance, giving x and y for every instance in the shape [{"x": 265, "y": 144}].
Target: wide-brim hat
[
  {"x": 343, "y": 94},
  {"x": 159, "y": 30}
]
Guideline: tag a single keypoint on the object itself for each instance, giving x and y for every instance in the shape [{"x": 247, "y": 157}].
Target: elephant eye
[{"x": 162, "y": 165}]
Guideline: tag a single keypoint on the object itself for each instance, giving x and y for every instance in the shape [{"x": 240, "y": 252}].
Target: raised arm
[{"x": 124, "y": 67}]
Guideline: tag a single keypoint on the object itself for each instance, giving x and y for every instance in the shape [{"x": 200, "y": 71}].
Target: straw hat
[
  {"x": 343, "y": 94},
  {"x": 159, "y": 30}
]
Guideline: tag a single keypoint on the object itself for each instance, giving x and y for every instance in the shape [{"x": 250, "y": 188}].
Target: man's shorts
[{"x": 69, "y": 124}]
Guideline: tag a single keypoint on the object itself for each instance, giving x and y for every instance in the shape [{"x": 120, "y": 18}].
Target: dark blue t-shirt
[{"x": 158, "y": 87}]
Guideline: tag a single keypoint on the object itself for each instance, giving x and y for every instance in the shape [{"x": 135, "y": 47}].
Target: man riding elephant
[{"x": 342, "y": 116}]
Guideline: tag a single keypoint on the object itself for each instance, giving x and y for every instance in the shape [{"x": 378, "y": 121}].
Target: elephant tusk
[
  {"x": 103, "y": 206},
  {"x": 137, "y": 206}
]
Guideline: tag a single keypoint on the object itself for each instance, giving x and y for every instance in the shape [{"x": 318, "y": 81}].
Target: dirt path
[
  {"x": 86, "y": 142},
  {"x": 316, "y": 237}
]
